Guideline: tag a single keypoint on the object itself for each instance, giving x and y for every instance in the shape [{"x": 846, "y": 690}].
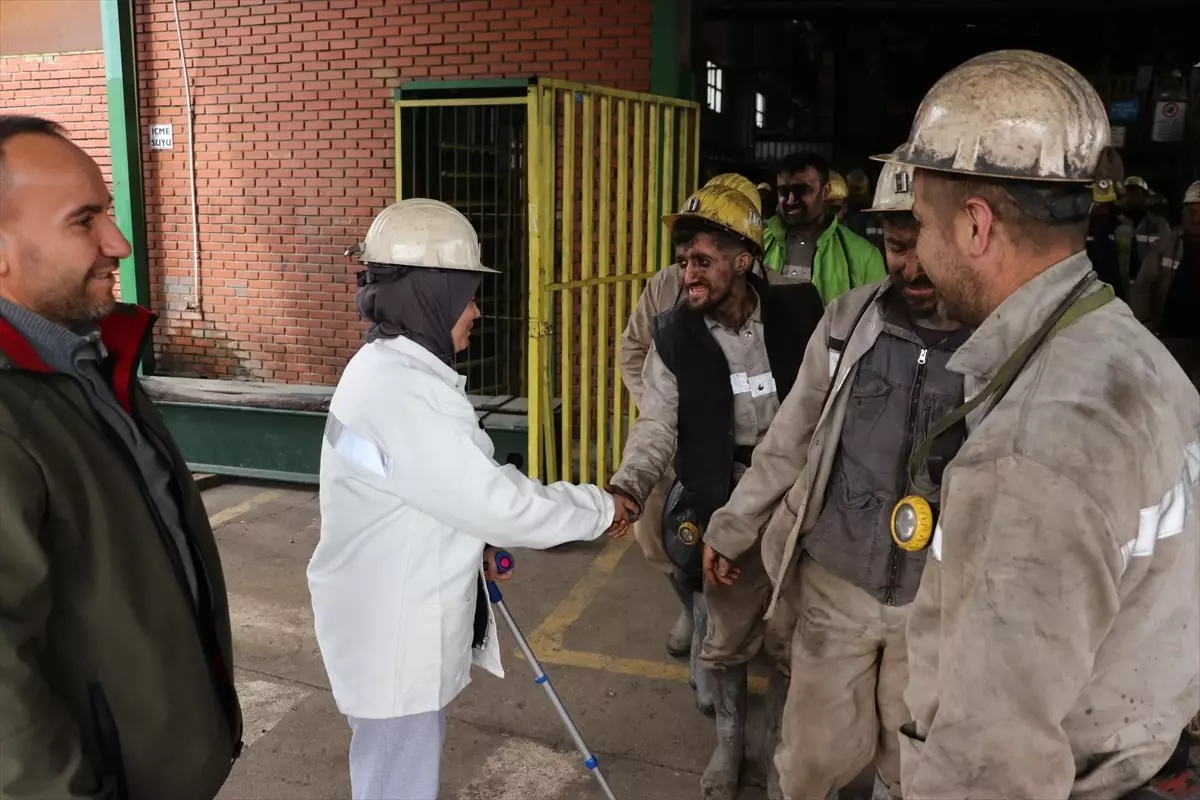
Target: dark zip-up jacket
[{"x": 115, "y": 681}]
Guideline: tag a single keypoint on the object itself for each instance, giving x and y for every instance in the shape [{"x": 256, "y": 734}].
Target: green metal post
[
  {"x": 670, "y": 31},
  {"x": 125, "y": 141}
]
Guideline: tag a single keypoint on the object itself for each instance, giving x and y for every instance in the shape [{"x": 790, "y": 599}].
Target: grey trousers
[{"x": 398, "y": 758}]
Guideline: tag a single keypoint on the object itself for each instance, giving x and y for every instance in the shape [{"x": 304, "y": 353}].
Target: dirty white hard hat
[
  {"x": 894, "y": 192},
  {"x": 1192, "y": 194},
  {"x": 420, "y": 232},
  {"x": 1012, "y": 114}
]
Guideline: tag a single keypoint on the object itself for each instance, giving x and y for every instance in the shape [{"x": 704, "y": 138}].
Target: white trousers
[{"x": 398, "y": 758}]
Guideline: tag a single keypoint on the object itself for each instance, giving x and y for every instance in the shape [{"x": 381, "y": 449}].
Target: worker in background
[
  {"x": 720, "y": 363},
  {"x": 412, "y": 503},
  {"x": 1101, "y": 240},
  {"x": 768, "y": 199},
  {"x": 1166, "y": 295},
  {"x": 663, "y": 292},
  {"x": 837, "y": 193},
  {"x": 821, "y": 488},
  {"x": 116, "y": 663},
  {"x": 855, "y": 215},
  {"x": 1052, "y": 646},
  {"x": 1138, "y": 228},
  {"x": 804, "y": 242}
]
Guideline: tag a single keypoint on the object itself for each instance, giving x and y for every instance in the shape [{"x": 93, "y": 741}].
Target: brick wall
[
  {"x": 65, "y": 87},
  {"x": 294, "y": 146}
]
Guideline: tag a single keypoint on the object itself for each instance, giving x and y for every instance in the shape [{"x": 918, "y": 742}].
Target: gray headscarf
[{"x": 420, "y": 304}]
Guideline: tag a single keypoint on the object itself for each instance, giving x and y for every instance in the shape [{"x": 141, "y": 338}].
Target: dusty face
[
  {"x": 460, "y": 334},
  {"x": 709, "y": 272},
  {"x": 1136, "y": 199},
  {"x": 802, "y": 196},
  {"x": 942, "y": 249},
  {"x": 904, "y": 267},
  {"x": 59, "y": 246},
  {"x": 1190, "y": 225}
]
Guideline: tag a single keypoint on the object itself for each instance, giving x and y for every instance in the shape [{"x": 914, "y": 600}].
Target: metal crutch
[{"x": 504, "y": 564}]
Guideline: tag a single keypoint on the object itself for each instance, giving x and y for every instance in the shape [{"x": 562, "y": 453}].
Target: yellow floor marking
[
  {"x": 233, "y": 512},
  {"x": 549, "y": 635},
  {"x": 547, "y": 640}
]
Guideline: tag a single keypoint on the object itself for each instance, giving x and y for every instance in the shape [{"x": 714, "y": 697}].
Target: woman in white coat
[{"x": 410, "y": 499}]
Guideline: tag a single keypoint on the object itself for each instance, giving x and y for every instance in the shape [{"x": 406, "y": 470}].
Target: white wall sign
[
  {"x": 162, "y": 137},
  {"x": 1169, "y": 121}
]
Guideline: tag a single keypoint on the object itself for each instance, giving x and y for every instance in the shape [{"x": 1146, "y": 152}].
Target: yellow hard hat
[
  {"x": 741, "y": 184},
  {"x": 725, "y": 207},
  {"x": 857, "y": 180},
  {"x": 837, "y": 187},
  {"x": 1140, "y": 182}
]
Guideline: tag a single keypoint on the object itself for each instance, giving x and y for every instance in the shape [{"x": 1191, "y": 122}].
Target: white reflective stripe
[
  {"x": 739, "y": 382},
  {"x": 1145, "y": 237},
  {"x": 1165, "y": 519},
  {"x": 935, "y": 546},
  {"x": 1170, "y": 263},
  {"x": 833, "y": 363},
  {"x": 762, "y": 384},
  {"x": 357, "y": 449}
]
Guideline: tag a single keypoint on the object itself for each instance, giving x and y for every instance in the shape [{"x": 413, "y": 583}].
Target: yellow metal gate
[{"x": 567, "y": 184}]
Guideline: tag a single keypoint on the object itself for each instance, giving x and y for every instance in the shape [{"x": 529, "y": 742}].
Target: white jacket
[{"x": 409, "y": 496}]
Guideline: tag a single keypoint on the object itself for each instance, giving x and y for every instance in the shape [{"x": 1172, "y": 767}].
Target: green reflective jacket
[{"x": 843, "y": 261}]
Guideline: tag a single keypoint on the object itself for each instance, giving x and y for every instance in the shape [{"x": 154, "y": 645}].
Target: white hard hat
[
  {"x": 1192, "y": 194},
  {"x": 420, "y": 232},
  {"x": 894, "y": 192},
  {"x": 1009, "y": 114}
]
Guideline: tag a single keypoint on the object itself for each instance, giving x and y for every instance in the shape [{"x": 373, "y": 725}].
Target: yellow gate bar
[
  {"x": 587, "y": 244},
  {"x": 567, "y": 299},
  {"x": 536, "y": 281},
  {"x": 639, "y": 261},
  {"x": 667, "y": 194},
  {"x": 546, "y": 212},
  {"x": 619, "y": 394},
  {"x": 605, "y": 310}
]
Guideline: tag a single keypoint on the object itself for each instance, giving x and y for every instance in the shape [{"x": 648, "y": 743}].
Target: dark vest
[{"x": 704, "y": 455}]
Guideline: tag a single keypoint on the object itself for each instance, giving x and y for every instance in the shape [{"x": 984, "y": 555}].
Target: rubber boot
[
  {"x": 720, "y": 779},
  {"x": 777, "y": 690},
  {"x": 702, "y": 680},
  {"x": 679, "y": 640}
]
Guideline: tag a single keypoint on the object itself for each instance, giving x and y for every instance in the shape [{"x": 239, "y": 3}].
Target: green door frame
[{"x": 125, "y": 141}]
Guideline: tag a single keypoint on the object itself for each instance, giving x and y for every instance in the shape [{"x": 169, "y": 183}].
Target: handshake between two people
[{"x": 626, "y": 511}]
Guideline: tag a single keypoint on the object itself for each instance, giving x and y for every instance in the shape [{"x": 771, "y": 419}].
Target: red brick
[{"x": 295, "y": 132}]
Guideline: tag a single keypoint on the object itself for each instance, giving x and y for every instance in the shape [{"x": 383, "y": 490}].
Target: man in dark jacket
[
  {"x": 116, "y": 660},
  {"x": 722, "y": 360}
]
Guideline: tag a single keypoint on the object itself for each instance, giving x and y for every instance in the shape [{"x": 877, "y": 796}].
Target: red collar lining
[{"x": 122, "y": 333}]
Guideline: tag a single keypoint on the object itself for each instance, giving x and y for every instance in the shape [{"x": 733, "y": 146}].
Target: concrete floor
[{"x": 598, "y": 617}]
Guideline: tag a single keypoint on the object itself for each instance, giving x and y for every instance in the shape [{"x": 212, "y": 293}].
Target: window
[
  {"x": 760, "y": 110},
  {"x": 714, "y": 87}
]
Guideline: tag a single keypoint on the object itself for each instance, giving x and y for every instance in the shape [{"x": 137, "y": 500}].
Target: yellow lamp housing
[{"x": 912, "y": 523}]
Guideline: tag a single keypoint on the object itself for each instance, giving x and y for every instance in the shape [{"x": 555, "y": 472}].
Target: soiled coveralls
[
  {"x": 1054, "y": 644},
  {"x": 736, "y": 630}
]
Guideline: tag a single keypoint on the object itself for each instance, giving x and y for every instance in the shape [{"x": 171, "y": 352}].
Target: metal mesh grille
[{"x": 473, "y": 157}]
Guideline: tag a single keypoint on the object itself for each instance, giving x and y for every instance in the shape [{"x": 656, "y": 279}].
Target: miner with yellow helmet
[
  {"x": 661, "y": 293},
  {"x": 837, "y": 460},
  {"x": 1052, "y": 644},
  {"x": 722, "y": 359}
]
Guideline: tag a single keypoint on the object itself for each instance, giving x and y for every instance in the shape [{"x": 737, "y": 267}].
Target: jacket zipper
[
  {"x": 914, "y": 402},
  {"x": 173, "y": 556}
]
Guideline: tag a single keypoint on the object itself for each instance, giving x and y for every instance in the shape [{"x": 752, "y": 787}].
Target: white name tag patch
[{"x": 755, "y": 385}]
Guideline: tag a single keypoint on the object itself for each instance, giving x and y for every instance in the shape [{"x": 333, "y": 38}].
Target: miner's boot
[
  {"x": 720, "y": 779},
  {"x": 702, "y": 680},
  {"x": 777, "y": 689},
  {"x": 679, "y": 640}
]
